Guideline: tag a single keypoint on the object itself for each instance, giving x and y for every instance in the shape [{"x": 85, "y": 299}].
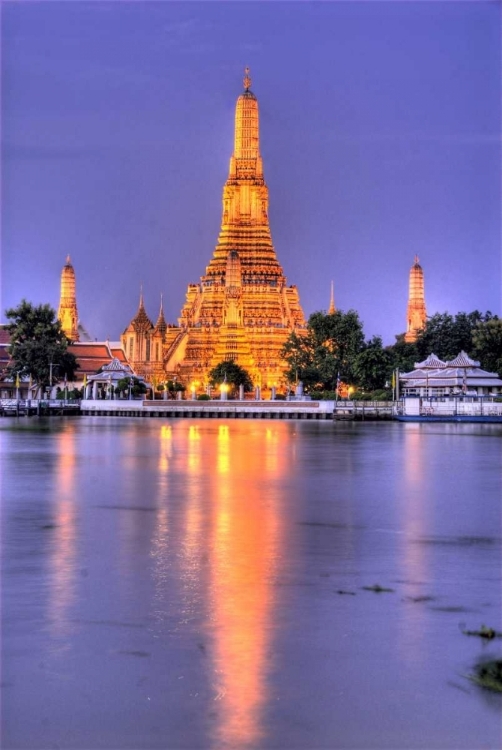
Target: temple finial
[
  {"x": 141, "y": 294},
  {"x": 247, "y": 80},
  {"x": 161, "y": 302},
  {"x": 68, "y": 261},
  {"x": 416, "y": 260}
]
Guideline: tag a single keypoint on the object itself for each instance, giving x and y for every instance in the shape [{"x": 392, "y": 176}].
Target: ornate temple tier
[{"x": 242, "y": 309}]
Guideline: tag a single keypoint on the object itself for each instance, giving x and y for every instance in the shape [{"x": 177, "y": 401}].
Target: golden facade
[
  {"x": 242, "y": 310},
  {"x": 143, "y": 344},
  {"x": 416, "y": 314},
  {"x": 67, "y": 312}
]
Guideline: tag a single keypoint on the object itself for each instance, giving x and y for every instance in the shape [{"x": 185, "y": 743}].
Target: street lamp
[
  {"x": 131, "y": 381},
  {"x": 51, "y": 365},
  {"x": 224, "y": 392}
]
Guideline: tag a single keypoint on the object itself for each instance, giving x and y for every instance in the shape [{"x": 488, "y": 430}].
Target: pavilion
[{"x": 461, "y": 376}]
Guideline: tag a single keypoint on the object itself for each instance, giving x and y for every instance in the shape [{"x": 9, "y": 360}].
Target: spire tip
[{"x": 247, "y": 80}]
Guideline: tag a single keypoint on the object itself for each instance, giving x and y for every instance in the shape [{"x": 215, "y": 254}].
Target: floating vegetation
[
  {"x": 460, "y": 541},
  {"x": 417, "y": 599},
  {"x": 346, "y": 593},
  {"x": 483, "y": 632},
  {"x": 488, "y": 674},
  {"x": 377, "y": 589}
]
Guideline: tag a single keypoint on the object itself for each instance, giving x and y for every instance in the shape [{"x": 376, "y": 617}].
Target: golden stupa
[{"x": 242, "y": 309}]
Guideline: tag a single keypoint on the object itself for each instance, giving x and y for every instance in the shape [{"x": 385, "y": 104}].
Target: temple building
[
  {"x": 242, "y": 309},
  {"x": 143, "y": 343},
  {"x": 416, "y": 314}
]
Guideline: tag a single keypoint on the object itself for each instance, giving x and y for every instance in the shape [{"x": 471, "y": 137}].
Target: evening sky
[{"x": 380, "y": 134}]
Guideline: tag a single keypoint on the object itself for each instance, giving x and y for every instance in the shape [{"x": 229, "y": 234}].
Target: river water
[{"x": 200, "y": 584}]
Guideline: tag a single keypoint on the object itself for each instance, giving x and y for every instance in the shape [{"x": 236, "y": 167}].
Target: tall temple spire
[
  {"x": 332, "y": 308},
  {"x": 416, "y": 313},
  {"x": 242, "y": 309},
  {"x": 67, "y": 312}
]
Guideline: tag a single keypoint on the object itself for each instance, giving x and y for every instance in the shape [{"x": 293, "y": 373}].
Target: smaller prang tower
[
  {"x": 67, "y": 313},
  {"x": 417, "y": 314},
  {"x": 332, "y": 308}
]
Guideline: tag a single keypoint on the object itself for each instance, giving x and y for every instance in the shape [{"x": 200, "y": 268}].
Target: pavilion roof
[
  {"x": 431, "y": 362},
  {"x": 463, "y": 360}
]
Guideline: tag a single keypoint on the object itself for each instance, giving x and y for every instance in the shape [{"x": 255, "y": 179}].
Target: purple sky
[{"x": 380, "y": 133}]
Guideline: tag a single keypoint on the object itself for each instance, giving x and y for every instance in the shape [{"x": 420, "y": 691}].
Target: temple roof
[
  {"x": 432, "y": 362},
  {"x": 141, "y": 323},
  {"x": 463, "y": 360}
]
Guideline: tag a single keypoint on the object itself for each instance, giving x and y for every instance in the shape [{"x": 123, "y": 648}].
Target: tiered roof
[
  {"x": 432, "y": 362},
  {"x": 463, "y": 360}
]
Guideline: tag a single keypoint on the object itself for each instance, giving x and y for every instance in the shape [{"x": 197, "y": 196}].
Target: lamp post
[
  {"x": 51, "y": 365},
  {"x": 131, "y": 381},
  {"x": 223, "y": 392}
]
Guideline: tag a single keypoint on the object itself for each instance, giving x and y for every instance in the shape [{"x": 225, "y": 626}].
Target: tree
[
  {"x": 38, "y": 345},
  {"x": 123, "y": 385},
  {"x": 230, "y": 372},
  {"x": 404, "y": 354},
  {"x": 328, "y": 349},
  {"x": 446, "y": 335},
  {"x": 487, "y": 343},
  {"x": 373, "y": 365}
]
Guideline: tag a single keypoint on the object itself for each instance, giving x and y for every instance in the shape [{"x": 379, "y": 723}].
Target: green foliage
[
  {"x": 446, "y": 335},
  {"x": 487, "y": 344},
  {"x": 138, "y": 387},
  {"x": 385, "y": 394},
  {"x": 203, "y": 397},
  {"x": 323, "y": 395},
  {"x": 329, "y": 347},
  {"x": 37, "y": 340},
  {"x": 403, "y": 354},
  {"x": 373, "y": 365},
  {"x": 232, "y": 373}
]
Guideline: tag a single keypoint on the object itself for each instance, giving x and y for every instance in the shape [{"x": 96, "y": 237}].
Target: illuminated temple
[
  {"x": 242, "y": 309},
  {"x": 416, "y": 314}
]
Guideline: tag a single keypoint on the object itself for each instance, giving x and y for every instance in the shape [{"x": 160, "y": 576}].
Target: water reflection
[
  {"x": 413, "y": 494},
  {"x": 63, "y": 539},
  {"x": 226, "y": 524},
  {"x": 245, "y": 540}
]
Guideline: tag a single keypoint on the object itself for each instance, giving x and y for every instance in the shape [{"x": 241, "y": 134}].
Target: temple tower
[
  {"x": 67, "y": 312},
  {"x": 417, "y": 314},
  {"x": 332, "y": 308},
  {"x": 242, "y": 308}
]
